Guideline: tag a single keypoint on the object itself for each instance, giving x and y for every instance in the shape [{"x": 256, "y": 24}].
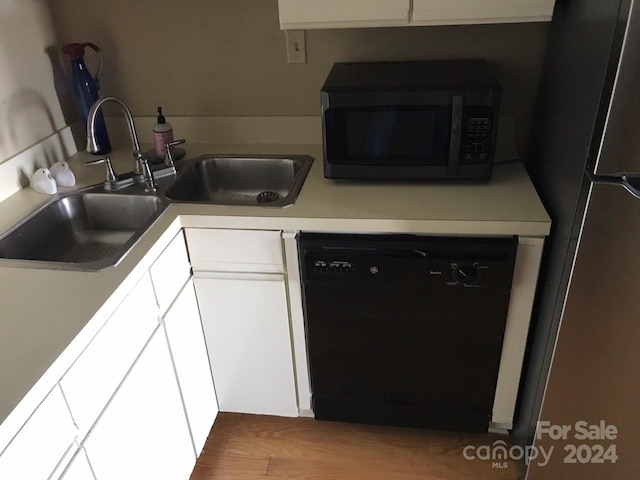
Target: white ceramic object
[
  {"x": 62, "y": 174},
  {"x": 43, "y": 182}
]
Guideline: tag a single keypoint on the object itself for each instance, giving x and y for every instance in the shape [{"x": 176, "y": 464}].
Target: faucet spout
[{"x": 92, "y": 141}]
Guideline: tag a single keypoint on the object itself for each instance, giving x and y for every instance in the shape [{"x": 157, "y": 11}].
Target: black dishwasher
[{"x": 405, "y": 330}]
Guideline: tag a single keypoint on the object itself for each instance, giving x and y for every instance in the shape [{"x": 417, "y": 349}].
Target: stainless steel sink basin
[
  {"x": 85, "y": 231},
  {"x": 92, "y": 230},
  {"x": 264, "y": 180}
]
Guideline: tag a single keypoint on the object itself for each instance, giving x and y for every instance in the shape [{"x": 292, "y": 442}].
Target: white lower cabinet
[
  {"x": 246, "y": 325},
  {"x": 78, "y": 468},
  {"x": 189, "y": 352},
  {"x": 95, "y": 375},
  {"x": 143, "y": 432},
  {"x": 42, "y": 443},
  {"x": 140, "y": 399},
  {"x": 242, "y": 295},
  {"x": 138, "y": 402}
]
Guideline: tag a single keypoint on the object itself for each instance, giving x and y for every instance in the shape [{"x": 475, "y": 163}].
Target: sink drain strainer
[{"x": 268, "y": 197}]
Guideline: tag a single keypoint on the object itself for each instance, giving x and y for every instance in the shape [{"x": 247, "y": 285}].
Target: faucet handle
[
  {"x": 111, "y": 177},
  {"x": 168, "y": 154},
  {"x": 149, "y": 180}
]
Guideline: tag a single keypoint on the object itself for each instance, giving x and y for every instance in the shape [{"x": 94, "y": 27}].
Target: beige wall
[
  {"x": 228, "y": 57},
  {"x": 29, "y": 107}
]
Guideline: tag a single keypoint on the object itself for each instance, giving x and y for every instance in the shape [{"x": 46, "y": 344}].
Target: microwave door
[{"x": 393, "y": 135}]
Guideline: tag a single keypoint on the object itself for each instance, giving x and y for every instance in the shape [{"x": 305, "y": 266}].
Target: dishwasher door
[{"x": 405, "y": 330}]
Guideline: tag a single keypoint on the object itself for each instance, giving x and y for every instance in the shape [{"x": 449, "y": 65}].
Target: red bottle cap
[{"x": 76, "y": 50}]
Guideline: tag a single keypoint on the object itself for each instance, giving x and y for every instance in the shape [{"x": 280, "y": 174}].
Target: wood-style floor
[{"x": 259, "y": 447}]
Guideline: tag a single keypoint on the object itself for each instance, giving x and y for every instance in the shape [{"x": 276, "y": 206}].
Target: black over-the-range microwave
[{"x": 410, "y": 120}]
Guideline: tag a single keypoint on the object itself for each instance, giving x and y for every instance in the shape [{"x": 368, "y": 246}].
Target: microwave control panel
[{"x": 478, "y": 139}]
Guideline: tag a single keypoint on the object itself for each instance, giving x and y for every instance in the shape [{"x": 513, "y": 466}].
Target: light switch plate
[{"x": 296, "y": 46}]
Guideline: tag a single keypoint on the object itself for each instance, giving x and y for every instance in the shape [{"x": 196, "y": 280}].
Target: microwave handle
[{"x": 453, "y": 167}]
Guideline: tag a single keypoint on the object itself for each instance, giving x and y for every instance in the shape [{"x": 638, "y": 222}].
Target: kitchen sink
[
  {"x": 92, "y": 230},
  {"x": 265, "y": 180},
  {"x": 82, "y": 231}
]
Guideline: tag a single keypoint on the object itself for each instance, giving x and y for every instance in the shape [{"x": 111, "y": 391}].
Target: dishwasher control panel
[
  {"x": 442, "y": 263},
  {"x": 333, "y": 266},
  {"x": 467, "y": 274},
  {"x": 442, "y": 272}
]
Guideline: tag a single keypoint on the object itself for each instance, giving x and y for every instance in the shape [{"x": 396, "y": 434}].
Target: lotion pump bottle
[{"x": 163, "y": 133}]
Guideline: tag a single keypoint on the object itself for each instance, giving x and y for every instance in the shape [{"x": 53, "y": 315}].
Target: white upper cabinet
[
  {"x": 311, "y": 14},
  {"x": 303, "y": 14},
  {"x": 447, "y": 12}
]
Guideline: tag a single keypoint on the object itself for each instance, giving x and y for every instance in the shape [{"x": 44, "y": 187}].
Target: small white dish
[
  {"x": 43, "y": 182},
  {"x": 62, "y": 174}
]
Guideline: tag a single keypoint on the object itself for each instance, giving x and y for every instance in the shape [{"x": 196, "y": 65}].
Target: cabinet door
[
  {"x": 41, "y": 443},
  {"x": 189, "y": 352},
  {"x": 246, "y": 325},
  {"x": 170, "y": 271},
  {"x": 78, "y": 468},
  {"x": 98, "y": 371},
  {"x": 446, "y": 12},
  {"x": 297, "y": 14},
  {"x": 143, "y": 431}
]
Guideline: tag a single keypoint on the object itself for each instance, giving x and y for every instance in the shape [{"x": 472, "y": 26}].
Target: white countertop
[{"x": 45, "y": 311}]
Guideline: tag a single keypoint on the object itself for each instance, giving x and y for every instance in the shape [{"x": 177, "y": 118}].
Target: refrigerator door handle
[{"x": 630, "y": 182}]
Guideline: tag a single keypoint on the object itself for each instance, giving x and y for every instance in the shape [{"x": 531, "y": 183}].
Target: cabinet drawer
[
  {"x": 41, "y": 443},
  {"x": 170, "y": 272},
  {"x": 235, "y": 250},
  {"x": 98, "y": 371}
]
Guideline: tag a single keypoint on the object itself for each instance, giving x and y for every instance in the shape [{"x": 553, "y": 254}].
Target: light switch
[{"x": 296, "y": 46}]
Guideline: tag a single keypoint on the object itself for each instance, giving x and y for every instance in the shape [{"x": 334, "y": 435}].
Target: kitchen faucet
[{"x": 141, "y": 168}]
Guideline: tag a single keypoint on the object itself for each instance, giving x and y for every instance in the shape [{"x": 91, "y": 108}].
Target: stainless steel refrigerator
[{"x": 584, "y": 359}]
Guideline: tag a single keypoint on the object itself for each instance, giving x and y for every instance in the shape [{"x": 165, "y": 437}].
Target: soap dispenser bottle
[{"x": 163, "y": 133}]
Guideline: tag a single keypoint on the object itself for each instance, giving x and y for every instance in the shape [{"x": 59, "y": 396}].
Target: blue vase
[{"x": 85, "y": 91}]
